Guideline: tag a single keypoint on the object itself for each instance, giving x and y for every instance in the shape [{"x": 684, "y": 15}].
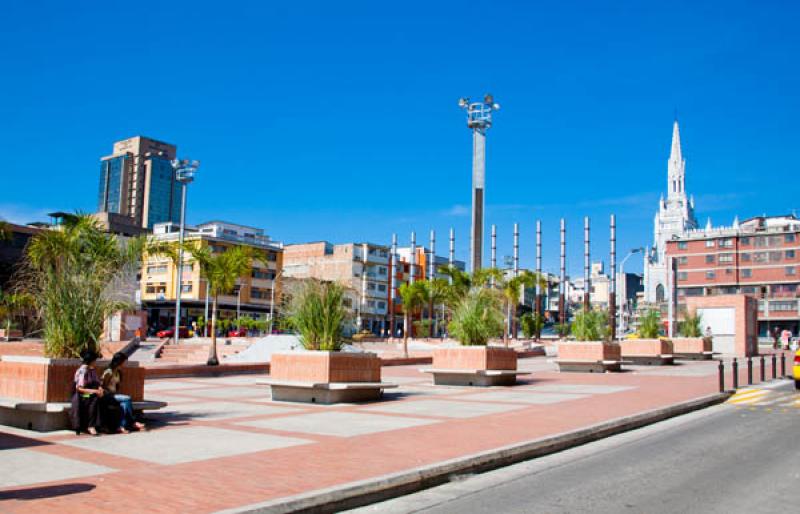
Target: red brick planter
[
  {"x": 693, "y": 347},
  {"x": 40, "y": 379},
  {"x": 324, "y": 367},
  {"x": 475, "y": 358},
  {"x": 648, "y": 351},
  {"x": 10, "y": 334},
  {"x": 590, "y": 356}
]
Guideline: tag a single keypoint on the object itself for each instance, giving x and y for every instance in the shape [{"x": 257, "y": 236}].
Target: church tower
[{"x": 675, "y": 216}]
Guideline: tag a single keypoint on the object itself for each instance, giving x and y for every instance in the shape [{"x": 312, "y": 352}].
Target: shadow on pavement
[{"x": 48, "y": 491}]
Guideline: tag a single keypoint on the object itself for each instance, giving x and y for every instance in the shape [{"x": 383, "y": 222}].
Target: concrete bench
[
  {"x": 474, "y": 377},
  {"x": 702, "y": 356},
  {"x": 589, "y": 366},
  {"x": 325, "y": 392},
  {"x": 49, "y": 416},
  {"x": 651, "y": 360}
]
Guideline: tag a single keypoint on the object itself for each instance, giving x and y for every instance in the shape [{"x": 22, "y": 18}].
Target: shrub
[
  {"x": 422, "y": 328},
  {"x": 317, "y": 312},
  {"x": 563, "y": 329},
  {"x": 477, "y": 318},
  {"x": 532, "y": 324},
  {"x": 692, "y": 325},
  {"x": 650, "y": 325},
  {"x": 590, "y": 326}
]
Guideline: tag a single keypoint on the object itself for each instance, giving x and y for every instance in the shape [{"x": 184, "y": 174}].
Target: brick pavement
[{"x": 219, "y": 446}]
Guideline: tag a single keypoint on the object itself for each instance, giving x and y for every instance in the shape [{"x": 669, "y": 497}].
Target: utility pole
[
  {"x": 479, "y": 119},
  {"x": 612, "y": 286}
]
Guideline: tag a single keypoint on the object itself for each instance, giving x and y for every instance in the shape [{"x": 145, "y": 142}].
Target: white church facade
[{"x": 675, "y": 217}]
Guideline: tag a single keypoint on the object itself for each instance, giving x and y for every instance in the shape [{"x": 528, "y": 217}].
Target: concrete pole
[
  {"x": 612, "y": 285},
  {"x": 671, "y": 272},
  {"x": 587, "y": 284},
  {"x": 516, "y": 249},
  {"x": 392, "y": 285},
  {"x": 431, "y": 261},
  {"x": 562, "y": 288},
  {"x": 363, "y": 300},
  {"x": 538, "y": 306},
  {"x": 452, "y": 259},
  {"x": 478, "y": 184},
  {"x": 412, "y": 264},
  {"x": 494, "y": 250}
]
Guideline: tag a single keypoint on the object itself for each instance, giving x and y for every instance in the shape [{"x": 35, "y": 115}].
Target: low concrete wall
[{"x": 326, "y": 367}]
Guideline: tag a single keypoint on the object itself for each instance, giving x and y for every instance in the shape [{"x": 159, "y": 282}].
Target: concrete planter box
[
  {"x": 474, "y": 366},
  {"x": 654, "y": 352},
  {"x": 35, "y": 391},
  {"x": 693, "y": 348},
  {"x": 325, "y": 377},
  {"x": 10, "y": 335},
  {"x": 589, "y": 356}
]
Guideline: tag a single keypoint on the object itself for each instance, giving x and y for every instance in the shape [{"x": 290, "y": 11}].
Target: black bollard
[
  {"x": 783, "y": 365},
  {"x": 721, "y": 377},
  {"x": 735, "y": 367},
  {"x": 749, "y": 371},
  {"x": 762, "y": 368},
  {"x": 774, "y": 370}
]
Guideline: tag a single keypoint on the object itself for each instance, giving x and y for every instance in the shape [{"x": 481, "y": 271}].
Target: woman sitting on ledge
[
  {"x": 85, "y": 412},
  {"x": 111, "y": 379}
]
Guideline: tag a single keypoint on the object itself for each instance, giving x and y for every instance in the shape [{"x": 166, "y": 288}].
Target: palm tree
[
  {"x": 414, "y": 296},
  {"x": 222, "y": 271},
  {"x": 72, "y": 273},
  {"x": 12, "y": 305},
  {"x": 510, "y": 288},
  {"x": 438, "y": 293}
]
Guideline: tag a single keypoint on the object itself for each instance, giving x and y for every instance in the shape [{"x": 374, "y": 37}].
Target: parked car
[
  {"x": 183, "y": 332},
  {"x": 242, "y": 332}
]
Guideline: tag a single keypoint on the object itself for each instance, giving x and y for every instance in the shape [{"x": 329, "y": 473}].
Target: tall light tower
[
  {"x": 184, "y": 174},
  {"x": 479, "y": 118}
]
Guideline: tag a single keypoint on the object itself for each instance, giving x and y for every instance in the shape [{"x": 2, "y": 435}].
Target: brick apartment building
[{"x": 759, "y": 257}]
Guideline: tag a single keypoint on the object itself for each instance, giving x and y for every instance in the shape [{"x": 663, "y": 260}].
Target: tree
[
  {"x": 316, "y": 310},
  {"x": 414, "y": 296},
  {"x": 590, "y": 325},
  {"x": 650, "y": 325},
  {"x": 510, "y": 288},
  {"x": 13, "y": 305},
  {"x": 222, "y": 271},
  {"x": 531, "y": 324},
  {"x": 477, "y": 317},
  {"x": 438, "y": 294},
  {"x": 73, "y": 274}
]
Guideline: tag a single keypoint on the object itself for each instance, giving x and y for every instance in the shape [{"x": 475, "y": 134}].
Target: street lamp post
[
  {"x": 184, "y": 173},
  {"x": 479, "y": 118},
  {"x": 272, "y": 301},
  {"x": 624, "y": 291}
]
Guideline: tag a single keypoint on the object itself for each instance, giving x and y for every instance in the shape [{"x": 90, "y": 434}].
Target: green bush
[
  {"x": 317, "y": 312},
  {"x": 590, "y": 326},
  {"x": 477, "y": 318},
  {"x": 532, "y": 324},
  {"x": 423, "y": 328},
  {"x": 563, "y": 329},
  {"x": 650, "y": 325},
  {"x": 692, "y": 325}
]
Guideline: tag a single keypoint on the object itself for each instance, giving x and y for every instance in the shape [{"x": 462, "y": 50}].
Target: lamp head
[{"x": 463, "y": 102}]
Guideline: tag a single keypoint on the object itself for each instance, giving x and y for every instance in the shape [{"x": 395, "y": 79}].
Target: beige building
[
  {"x": 362, "y": 268},
  {"x": 255, "y": 292}
]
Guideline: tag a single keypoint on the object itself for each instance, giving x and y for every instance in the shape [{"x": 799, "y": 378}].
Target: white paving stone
[
  {"x": 341, "y": 424},
  {"x": 578, "y": 388},
  {"x": 218, "y": 410},
  {"x": 443, "y": 408},
  {"x": 229, "y": 392},
  {"x": 174, "y": 446},
  {"x": 21, "y": 467}
]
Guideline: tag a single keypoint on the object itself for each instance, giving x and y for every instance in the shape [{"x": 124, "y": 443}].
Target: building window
[
  {"x": 381, "y": 305},
  {"x": 263, "y": 274},
  {"x": 382, "y": 270},
  {"x": 348, "y": 302},
  {"x": 186, "y": 288},
  {"x": 711, "y": 274},
  {"x": 783, "y": 305},
  {"x": 745, "y": 241},
  {"x": 790, "y": 254},
  {"x": 260, "y": 294},
  {"x": 790, "y": 270},
  {"x": 683, "y": 260},
  {"x": 726, "y": 257},
  {"x": 761, "y": 257},
  {"x": 727, "y": 242},
  {"x": 272, "y": 256},
  {"x": 382, "y": 288},
  {"x": 157, "y": 269},
  {"x": 371, "y": 286},
  {"x": 709, "y": 243},
  {"x": 682, "y": 245},
  {"x": 745, "y": 257},
  {"x": 788, "y": 238},
  {"x": 729, "y": 271},
  {"x": 155, "y": 287},
  {"x": 747, "y": 273},
  {"x": 709, "y": 259},
  {"x": 682, "y": 275}
]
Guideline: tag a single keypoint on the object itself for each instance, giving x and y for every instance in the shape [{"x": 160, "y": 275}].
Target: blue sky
[{"x": 339, "y": 120}]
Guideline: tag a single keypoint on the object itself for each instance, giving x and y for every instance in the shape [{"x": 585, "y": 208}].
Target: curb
[{"x": 357, "y": 494}]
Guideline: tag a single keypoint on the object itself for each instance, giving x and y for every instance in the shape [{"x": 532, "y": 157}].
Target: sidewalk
[{"x": 223, "y": 444}]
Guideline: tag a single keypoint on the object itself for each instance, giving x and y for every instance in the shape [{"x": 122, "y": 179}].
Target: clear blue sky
[{"x": 339, "y": 121}]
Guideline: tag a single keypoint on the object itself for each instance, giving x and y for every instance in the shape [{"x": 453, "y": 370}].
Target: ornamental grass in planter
[
  {"x": 590, "y": 348},
  {"x": 648, "y": 347},
  {"x": 692, "y": 344}
]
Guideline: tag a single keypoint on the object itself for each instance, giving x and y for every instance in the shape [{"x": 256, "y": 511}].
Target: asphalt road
[{"x": 725, "y": 459}]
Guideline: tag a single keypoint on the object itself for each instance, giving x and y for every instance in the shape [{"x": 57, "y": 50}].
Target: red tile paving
[{"x": 214, "y": 484}]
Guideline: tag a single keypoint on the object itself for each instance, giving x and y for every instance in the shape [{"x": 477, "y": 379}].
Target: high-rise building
[
  {"x": 674, "y": 218},
  {"x": 137, "y": 180}
]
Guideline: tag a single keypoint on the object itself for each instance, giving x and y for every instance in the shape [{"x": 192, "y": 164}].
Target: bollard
[
  {"x": 721, "y": 377},
  {"x": 783, "y": 365},
  {"x": 749, "y": 371},
  {"x": 774, "y": 370},
  {"x": 735, "y": 367},
  {"x": 762, "y": 368}
]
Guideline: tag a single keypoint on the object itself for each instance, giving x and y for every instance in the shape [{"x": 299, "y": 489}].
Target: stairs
[{"x": 197, "y": 353}]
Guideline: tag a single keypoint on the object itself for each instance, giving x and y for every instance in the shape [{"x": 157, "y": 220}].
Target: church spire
[
  {"x": 675, "y": 153},
  {"x": 676, "y": 168}
]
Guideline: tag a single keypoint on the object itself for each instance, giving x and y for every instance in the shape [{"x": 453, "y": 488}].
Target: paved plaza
[{"x": 222, "y": 443}]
